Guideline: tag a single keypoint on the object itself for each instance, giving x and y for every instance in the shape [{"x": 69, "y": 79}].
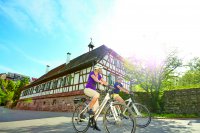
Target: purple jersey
[{"x": 91, "y": 83}]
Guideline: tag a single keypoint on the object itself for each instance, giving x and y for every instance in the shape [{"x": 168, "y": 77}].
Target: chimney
[
  {"x": 47, "y": 68},
  {"x": 68, "y": 58},
  {"x": 91, "y": 46}
]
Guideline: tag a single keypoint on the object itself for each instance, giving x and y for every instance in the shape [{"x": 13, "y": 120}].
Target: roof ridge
[{"x": 75, "y": 64}]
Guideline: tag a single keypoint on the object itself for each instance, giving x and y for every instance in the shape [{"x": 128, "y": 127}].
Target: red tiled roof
[{"x": 78, "y": 63}]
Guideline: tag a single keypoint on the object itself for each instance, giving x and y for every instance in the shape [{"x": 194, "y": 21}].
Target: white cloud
[
  {"x": 145, "y": 28},
  {"x": 18, "y": 17},
  {"x": 42, "y": 13},
  {"x": 150, "y": 28},
  {"x": 48, "y": 17},
  {"x": 40, "y": 16}
]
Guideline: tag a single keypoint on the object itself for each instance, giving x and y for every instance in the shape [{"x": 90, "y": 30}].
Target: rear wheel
[
  {"x": 124, "y": 123},
  {"x": 80, "y": 118}
]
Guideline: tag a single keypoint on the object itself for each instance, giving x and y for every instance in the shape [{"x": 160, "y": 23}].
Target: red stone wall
[{"x": 57, "y": 102}]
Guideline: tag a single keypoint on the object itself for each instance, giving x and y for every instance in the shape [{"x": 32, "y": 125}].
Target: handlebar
[
  {"x": 108, "y": 88},
  {"x": 131, "y": 93}
]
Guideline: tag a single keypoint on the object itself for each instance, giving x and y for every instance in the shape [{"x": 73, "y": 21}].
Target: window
[
  {"x": 61, "y": 82},
  {"x": 111, "y": 79},
  {"x": 50, "y": 84},
  {"x": 76, "y": 78},
  {"x": 116, "y": 63},
  {"x": 120, "y": 64},
  {"x": 64, "y": 81},
  {"x": 31, "y": 90},
  {"x": 54, "y": 102},
  {"x": 55, "y": 82},
  {"x": 69, "y": 79},
  {"x": 43, "y": 87},
  {"x": 37, "y": 89},
  {"x": 58, "y": 84},
  {"x": 84, "y": 71}
]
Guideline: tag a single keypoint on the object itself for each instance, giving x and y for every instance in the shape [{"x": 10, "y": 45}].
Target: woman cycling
[
  {"x": 90, "y": 90},
  {"x": 117, "y": 88}
]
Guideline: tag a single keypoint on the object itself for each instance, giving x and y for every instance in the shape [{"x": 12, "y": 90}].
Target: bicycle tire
[
  {"x": 77, "y": 121},
  {"x": 144, "y": 120},
  {"x": 123, "y": 124}
]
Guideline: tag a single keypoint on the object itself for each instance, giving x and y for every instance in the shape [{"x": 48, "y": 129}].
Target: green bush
[
  {"x": 10, "y": 91},
  {"x": 175, "y": 115}
]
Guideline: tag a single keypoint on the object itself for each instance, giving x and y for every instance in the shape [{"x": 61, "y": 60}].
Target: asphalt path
[{"x": 23, "y": 121}]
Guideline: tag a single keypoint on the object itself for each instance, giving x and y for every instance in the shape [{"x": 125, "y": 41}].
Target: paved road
[{"x": 20, "y": 121}]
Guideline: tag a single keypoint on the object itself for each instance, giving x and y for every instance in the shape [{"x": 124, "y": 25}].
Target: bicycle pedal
[
  {"x": 95, "y": 127},
  {"x": 91, "y": 121},
  {"x": 81, "y": 120},
  {"x": 82, "y": 116}
]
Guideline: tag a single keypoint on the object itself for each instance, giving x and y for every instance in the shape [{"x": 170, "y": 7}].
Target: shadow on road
[
  {"x": 157, "y": 126},
  {"x": 168, "y": 126},
  {"x": 14, "y": 121},
  {"x": 8, "y": 115},
  {"x": 61, "y": 128}
]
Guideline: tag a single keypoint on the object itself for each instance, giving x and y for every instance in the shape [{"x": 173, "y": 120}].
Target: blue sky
[
  {"x": 40, "y": 32},
  {"x": 36, "y": 33}
]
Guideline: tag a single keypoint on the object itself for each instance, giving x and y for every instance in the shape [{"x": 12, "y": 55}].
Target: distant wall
[
  {"x": 182, "y": 101},
  {"x": 143, "y": 98},
  {"x": 57, "y": 102},
  {"x": 185, "y": 101}
]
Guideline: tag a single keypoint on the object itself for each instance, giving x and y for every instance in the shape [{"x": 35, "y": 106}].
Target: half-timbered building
[{"x": 57, "y": 89}]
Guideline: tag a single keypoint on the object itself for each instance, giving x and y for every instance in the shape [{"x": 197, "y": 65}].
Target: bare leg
[
  {"x": 93, "y": 101},
  {"x": 119, "y": 99}
]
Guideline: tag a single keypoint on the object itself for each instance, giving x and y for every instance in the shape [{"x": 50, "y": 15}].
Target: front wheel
[
  {"x": 122, "y": 123},
  {"x": 142, "y": 115}
]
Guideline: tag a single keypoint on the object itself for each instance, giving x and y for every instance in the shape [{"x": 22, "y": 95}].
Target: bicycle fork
[
  {"x": 134, "y": 107},
  {"x": 136, "y": 110},
  {"x": 114, "y": 112},
  {"x": 84, "y": 110}
]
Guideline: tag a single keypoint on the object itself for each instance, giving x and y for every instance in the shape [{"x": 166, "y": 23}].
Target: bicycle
[
  {"x": 142, "y": 114},
  {"x": 112, "y": 116}
]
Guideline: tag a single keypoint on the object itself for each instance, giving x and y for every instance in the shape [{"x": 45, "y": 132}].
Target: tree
[
  {"x": 191, "y": 78},
  {"x": 10, "y": 91},
  {"x": 17, "y": 90},
  {"x": 2, "y": 97},
  {"x": 10, "y": 86},
  {"x": 153, "y": 77},
  {"x": 6, "y": 91},
  {"x": 2, "y": 92}
]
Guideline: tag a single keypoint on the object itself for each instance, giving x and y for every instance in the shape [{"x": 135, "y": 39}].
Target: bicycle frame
[
  {"x": 100, "y": 108},
  {"x": 133, "y": 105},
  {"x": 131, "y": 100},
  {"x": 104, "y": 102}
]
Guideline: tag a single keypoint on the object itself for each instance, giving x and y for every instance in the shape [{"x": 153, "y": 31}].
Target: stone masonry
[
  {"x": 185, "y": 101},
  {"x": 56, "y": 102},
  {"x": 182, "y": 101}
]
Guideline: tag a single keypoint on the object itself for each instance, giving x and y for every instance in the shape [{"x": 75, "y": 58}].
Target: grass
[{"x": 175, "y": 116}]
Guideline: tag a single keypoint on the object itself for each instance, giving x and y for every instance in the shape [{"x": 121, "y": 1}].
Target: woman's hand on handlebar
[
  {"x": 100, "y": 82},
  {"x": 103, "y": 83},
  {"x": 131, "y": 92},
  {"x": 127, "y": 92}
]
